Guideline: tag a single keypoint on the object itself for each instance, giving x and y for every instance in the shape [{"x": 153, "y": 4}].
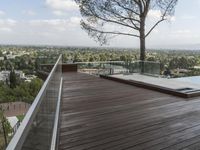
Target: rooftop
[
  {"x": 102, "y": 114},
  {"x": 77, "y": 111}
]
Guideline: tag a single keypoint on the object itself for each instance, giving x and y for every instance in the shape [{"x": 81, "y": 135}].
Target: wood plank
[{"x": 102, "y": 114}]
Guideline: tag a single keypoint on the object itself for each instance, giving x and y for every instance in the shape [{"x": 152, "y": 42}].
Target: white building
[
  {"x": 5, "y": 74},
  {"x": 13, "y": 121}
]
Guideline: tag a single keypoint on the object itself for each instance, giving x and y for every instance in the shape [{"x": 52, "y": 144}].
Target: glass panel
[
  {"x": 40, "y": 134},
  {"x": 37, "y": 127},
  {"x": 120, "y": 67}
]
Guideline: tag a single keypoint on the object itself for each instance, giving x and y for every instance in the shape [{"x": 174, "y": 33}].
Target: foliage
[
  {"x": 193, "y": 72},
  {"x": 182, "y": 63},
  {"x": 13, "y": 79},
  {"x": 20, "y": 117},
  {"x": 122, "y": 17},
  {"x": 94, "y": 55},
  {"x": 5, "y": 128},
  {"x": 34, "y": 56},
  {"x": 8, "y": 128},
  {"x": 25, "y": 91}
]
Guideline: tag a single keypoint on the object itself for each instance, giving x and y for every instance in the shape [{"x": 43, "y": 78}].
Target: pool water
[{"x": 194, "y": 79}]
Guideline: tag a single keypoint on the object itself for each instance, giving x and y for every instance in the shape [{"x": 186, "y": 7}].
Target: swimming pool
[
  {"x": 184, "y": 87},
  {"x": 193, "y": 79}
]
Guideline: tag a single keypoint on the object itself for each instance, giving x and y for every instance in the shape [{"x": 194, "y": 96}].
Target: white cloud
[
  {"x": 62, "y": 5},
  {"x": 11, "y": 22},
  {"x": 53, "y": 22},
  {"x": 75, "y": 20},
  {"x": 5, "y": 29},
  {"x": 29, "y": 12},
  {"x": 58, "y": 24},
  {"x": 171, "y": 18},
  {"x": 59, "y": 13},
  {"x": 155, "y": 14},
  {"x": 184, "y": 31},
  {"x": 65, "y": 30},
  {"x": 2, "y": 13},
  {"x": 188, "y": 17},
  {"x": 7, "y": 24},
  {"x": 156, "y": 31},
  {"x": 182, "y": 34}
]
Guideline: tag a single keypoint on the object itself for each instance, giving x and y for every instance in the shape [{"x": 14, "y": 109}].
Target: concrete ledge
[{"x": 153, "y": 87}]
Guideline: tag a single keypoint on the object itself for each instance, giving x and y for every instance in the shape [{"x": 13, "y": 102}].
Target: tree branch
[
  {"x": 118, "y": 33},
  {"x": 144, "y": 3},
  {"x": 89, "y": 28},
  {"x": 126, "y": 8},
  {"x": 139, "y": 5},
  {"x": 162, "y": 18},
  {"x": 124, "y": 18},
  {"x": 154, "y": 26},
  {"x": 111, "y": 21}
]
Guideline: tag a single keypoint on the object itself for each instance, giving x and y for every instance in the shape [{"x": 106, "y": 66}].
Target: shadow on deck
[{"x": 99, "y": 114}]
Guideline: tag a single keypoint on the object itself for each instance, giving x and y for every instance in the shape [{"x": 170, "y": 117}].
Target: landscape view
[{"x": 107, "y": 74}]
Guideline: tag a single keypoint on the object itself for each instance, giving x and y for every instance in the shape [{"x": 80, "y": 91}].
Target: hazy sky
[{"x": 56, "y": 22}]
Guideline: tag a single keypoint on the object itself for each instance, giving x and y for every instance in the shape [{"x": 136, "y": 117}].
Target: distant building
[
  {"x": 4, "y": 52},
  {"x": 10, "y": 56},
  {"x": 196, "y": 67},
  {"x": 29, "y": 78},
  {"x": 20, "y": 73},
  {"x": 13, "y": 121},
  {"x": 5, "y": 74}
]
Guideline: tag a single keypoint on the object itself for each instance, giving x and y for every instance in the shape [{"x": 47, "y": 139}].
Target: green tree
[
  {"x": 128, "y": 15},
  {"x": 13, "y": 79},
  {"x": 1, "y": 54},
  {"x": 35, "y": 86}
]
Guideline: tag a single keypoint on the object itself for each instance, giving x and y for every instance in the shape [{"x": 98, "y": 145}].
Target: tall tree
[
  {"x": 99, "y": 16},
  {"x": 13, "y": 79}
]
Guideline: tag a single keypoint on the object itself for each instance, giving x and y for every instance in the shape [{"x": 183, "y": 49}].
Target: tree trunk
[
  {"x": 142, "y": 44},
  {"x": 142, "y": 40}
]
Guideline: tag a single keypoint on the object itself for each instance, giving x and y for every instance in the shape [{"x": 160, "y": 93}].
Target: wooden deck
[{"x": 99, "y": 114}]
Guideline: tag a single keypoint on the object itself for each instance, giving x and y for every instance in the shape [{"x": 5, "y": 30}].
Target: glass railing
[
  {"x": 145, "y": 67},
  {"x": 120, "y": 67},
  {"x": 105, "y": 68},
  {"x": 38, "y": 129},
  {"x": 46, "y": 63}
]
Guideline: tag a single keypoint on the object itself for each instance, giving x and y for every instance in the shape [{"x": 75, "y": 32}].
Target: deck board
[{"x": 99, "y": 114}]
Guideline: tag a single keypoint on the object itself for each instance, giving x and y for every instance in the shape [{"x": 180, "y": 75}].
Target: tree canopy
[{"x": 102, "y": 18}]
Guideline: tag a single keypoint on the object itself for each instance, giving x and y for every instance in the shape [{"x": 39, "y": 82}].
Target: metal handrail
[
  {"x": 152, "y": 62},
  {"x": 98, "y": 62},
  {"x": 17, "y": 141},
  {"x": 56, "y": 122}
]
